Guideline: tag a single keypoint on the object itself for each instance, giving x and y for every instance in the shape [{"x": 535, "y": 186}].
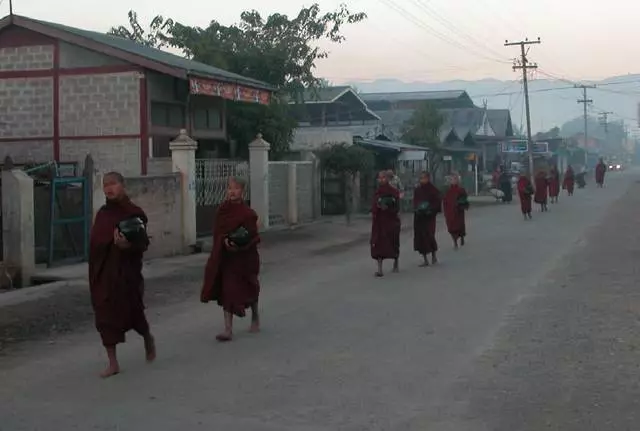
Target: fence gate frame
[{"x": 56, "y": 180}]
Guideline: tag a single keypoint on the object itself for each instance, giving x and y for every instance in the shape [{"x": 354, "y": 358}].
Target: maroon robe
[
  {"x": 231, "y": 277},
  {"x": 554, "y": 183},
  {"x": 424, "y": 226},
  {"x": 540, "y": 196},
  {"x": 115, "y": 275},
  {"x": 525, "y": 198},
  {"x": 385, "y": 226},
  {"x": 569, "y": 180},
  {"x": 454, "y": 212},
  {"x": 601, "y": 168}
]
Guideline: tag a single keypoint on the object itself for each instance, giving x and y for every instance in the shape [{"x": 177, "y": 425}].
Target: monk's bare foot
[
  {"x": 224, "y": 337},
  {"x": 396, "y": 268},
  {"x": 434, "y": 260},
  {"x": 111, "y": 370},
  {"x": 424, "y": 264},
  {"x": 150, "y": 348},
  {"x": 254, "y": 328},
  {"x": 461, "y": 241},
  {"x": 455, "y": 245},
  {"x": 379, "y": 274}
]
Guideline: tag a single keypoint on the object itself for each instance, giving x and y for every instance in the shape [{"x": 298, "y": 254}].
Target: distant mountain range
[{"x": 553, "y": 102}]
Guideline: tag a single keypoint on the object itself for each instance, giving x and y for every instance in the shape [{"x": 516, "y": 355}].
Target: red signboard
[{"x": 241, "y": 93}]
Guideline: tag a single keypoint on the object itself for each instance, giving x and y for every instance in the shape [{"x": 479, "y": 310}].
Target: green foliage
[
  {"x": 155, "y": 38},
  {"x": 423, "y": 128},
  {"x": 276, "y": 49},
  {"x": 345, "y": 159}
]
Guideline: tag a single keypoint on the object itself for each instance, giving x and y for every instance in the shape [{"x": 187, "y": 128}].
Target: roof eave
[
  {"x": 95, "y": 46},
  {"x": 247, "y": 82}
]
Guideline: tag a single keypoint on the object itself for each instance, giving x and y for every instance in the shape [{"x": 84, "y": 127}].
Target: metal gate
[
  {"x": 332, "y": 192},
  {"x": 212, "y": 176}
]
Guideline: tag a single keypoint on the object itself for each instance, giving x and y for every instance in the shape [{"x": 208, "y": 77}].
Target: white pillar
[
  {"x": 18, "y": 245},
  {"x": 259, "y": 179},
  {"x": 183, "y": 157},
  {"x": 292, "y": 193}
]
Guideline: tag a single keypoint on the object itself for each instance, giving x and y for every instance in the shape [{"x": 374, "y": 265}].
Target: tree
[
  {"x": 346, "y": 160},
  {"x": 423, "y": 129},
  {"x": 278, "y": 50},
  {"x": 154, "y": 38}
]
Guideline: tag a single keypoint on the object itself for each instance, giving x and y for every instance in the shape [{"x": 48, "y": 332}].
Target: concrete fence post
[
  {"x": 183, "y": 156},
  {"x": 292, "y": 193},
  {"x": 18, "y": 236},
  {"x": 259, "y": 179}
]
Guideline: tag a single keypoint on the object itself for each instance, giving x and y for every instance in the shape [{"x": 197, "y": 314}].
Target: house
[
  {"x": 67, "y": 92},
  {"x": 468, "y": 132},
  {"x": 331, "y": 115}
]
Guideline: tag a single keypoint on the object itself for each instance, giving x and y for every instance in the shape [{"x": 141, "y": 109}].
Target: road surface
[{"x": 533, "y": 325}]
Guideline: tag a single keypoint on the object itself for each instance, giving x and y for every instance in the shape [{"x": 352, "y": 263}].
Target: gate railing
[{"x": 212, "y": 176}]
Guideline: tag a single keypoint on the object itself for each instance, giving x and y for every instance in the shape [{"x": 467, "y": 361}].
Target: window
[
  {"x": 167, "y": 115},
  {"x": 207, "y": 119}
]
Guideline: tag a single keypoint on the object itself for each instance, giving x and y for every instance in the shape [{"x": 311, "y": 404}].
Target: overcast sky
[{"x": 426, "y": 40}]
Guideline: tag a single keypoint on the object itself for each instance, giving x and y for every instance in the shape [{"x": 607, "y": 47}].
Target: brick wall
[
  {"x": 122, "y": 155},
  {"x": 26, "y": 107},
  {"x": 105, "y": 104},
  {"x": 39, "y": 57},
  {"x": 27, "y": 152},
  {"x": 161, "y": 199}
]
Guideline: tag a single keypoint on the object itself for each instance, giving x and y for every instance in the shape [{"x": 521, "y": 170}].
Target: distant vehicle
[{"x": 615, "y": 167}]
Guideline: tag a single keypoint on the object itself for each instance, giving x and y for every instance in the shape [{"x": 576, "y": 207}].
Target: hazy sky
[{"x": 428, "y": 40}]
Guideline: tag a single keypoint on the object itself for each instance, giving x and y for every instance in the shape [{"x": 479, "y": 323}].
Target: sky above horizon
[{"x": 415, "y": 40}]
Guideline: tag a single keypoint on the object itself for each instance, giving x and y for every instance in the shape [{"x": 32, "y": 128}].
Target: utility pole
[
  {"x": 585, "y": 102},
  {"x": 524, "y": 65},
  {"x": 604, "y": 116}
]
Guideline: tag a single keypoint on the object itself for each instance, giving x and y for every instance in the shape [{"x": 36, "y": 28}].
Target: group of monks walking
[
  {"x": 428, "y": 202},
  {"x": 546, "y": 187},
  {"x": 232, "y": 270}
]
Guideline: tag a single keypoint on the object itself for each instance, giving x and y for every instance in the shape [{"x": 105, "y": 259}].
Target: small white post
[
  {"x": 292, "y": 193},
  {"x": 18, "y": 225},
  {"x": 259, "y": 179},
  {"x": 183, "y": 156}
]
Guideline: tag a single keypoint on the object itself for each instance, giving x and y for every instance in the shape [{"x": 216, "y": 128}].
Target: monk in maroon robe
[
  {"x": 424, "y": 221},
  {"x": 601, "y": 169},
  {"x": 455, "y": 204},
  {"x": 525, "y": 192},
  {"x": 385, "y": 226},
  {"x": 231, "y": 274},
  {"x": 554, "y": 184},
  {"x": 115, "y": 274},
  {"x": 540, "y": 196},
  {"x": 569, "y": 180}
]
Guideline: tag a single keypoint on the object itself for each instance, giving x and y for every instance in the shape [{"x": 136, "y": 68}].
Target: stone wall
[{"x": 161, "y": 199}]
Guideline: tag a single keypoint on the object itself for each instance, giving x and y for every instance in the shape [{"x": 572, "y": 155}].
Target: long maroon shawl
[
  {"x": 540, "y": 196},
  {"x": 115, "y": 275},
  {"x": 231, "y": 277},
  {"x": 385, "y": 226},
  {"x": 554, "y": 183},
  {"x": 569, "y": 180},
  {"x": 424, "y": 226},
  {"x": 601, "y": 168},
  {"x": 453, "y": 212},
  {"x": 525, "y": 198}
]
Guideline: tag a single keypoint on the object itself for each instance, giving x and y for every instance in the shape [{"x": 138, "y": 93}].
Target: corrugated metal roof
[
  {"x": 389, "y": 145},
  {"x": 189, "y": 66},
  {"x": 325, "y": 94},
  {"x": 413, "y": 95}
]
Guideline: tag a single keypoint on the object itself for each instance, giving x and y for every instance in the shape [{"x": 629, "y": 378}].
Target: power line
[{"x": 525, "y": 66}]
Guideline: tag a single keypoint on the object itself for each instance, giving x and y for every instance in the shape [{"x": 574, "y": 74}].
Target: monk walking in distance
[
  {"x": 385, "y": 226},
  {"x": 118, "y": 242}
]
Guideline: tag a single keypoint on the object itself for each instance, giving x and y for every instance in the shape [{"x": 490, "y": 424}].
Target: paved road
[{"x": 527, "y": 328}]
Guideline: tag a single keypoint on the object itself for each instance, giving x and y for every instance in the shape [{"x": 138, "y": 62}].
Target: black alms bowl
[{"x": 133, "y": 229}]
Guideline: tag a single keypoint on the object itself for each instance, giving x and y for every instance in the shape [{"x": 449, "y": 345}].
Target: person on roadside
[
  {"x": 525, "y": 193},
  {"x": 554, "y": 184},
  {"x": 427, "y": 203},
  {"x": 569, "y": 180},
  {"x": 385, "y": 226},
  {"x": 601, "y": 169},
  {"x": 504, "y": 183},
  {"x": 542, "y": 186},
  {"x": 456, "y": 203},
  {"x": 115, "y": 273},
  {"x": 233, "y": 267}
]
